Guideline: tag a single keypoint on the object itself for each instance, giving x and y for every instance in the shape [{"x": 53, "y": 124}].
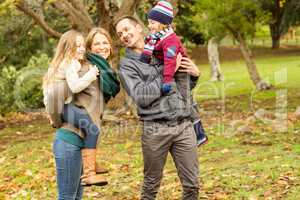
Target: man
[{"x": 166, "y": 123}]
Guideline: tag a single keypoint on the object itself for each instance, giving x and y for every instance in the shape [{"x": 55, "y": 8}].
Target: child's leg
[
  {"x": 81, "y": 120},
  {"x": 199, "y": 130},
  {"x": 54, "y": 98},
  {"x": 184, "y": 87}
]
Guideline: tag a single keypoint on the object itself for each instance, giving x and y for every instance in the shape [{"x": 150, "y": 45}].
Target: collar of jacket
[{"x": 131, "y": 54}]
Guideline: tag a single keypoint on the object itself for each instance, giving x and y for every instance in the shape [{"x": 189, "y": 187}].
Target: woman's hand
[{"x": 185, "y": 64}]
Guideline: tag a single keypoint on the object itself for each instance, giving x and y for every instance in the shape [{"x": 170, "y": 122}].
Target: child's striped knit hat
[{"x": 162, "y": 12}]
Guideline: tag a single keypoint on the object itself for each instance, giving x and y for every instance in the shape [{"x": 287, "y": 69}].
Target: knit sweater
[
  {"x": 166, "y": 52},
  {"x": 68, "y": 73},
  {"x": 72, "y": 81}
]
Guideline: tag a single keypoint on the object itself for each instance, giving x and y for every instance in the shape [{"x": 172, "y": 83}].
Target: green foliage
[
  {"x": 186, "y": 27},
  {"x": 285, "y": 13},
  {"x": 28, "y": 86},
  {"x": 8, "y": 77},
  {"x": 22, "y": 89},
  {"x": 21, "y": 37},
  {"x": 262, "y": 32},
  {"x": 229, "y": 17}
]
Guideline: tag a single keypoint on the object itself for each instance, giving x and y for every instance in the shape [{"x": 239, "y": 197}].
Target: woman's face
[
  {"x": 101, "y": 45},
  {"x": 80, "y": 48}
]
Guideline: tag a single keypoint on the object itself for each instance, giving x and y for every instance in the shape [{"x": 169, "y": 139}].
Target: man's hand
[
  {"x": 178, "y": 61},
  {"x": 188, "y": 66}
]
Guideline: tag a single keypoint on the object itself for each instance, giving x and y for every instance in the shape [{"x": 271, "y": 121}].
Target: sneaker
[{"x": 202, "y": 141}]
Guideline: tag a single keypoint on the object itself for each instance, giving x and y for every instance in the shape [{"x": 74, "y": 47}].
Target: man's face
[{"x": 129, "y": 32}]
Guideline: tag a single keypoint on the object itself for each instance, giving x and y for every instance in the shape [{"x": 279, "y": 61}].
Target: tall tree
[
  {"x": 19, "y": 37},
  {"x": 214, "y": 59},
  {"x": 238, "y": 18},
  {"x": 80, "y": 15},
  {"x": 195, "y": 31},
  {"x": 284, "y": 14}
]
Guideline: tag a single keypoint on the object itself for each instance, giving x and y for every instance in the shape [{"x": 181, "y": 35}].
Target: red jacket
[{"x": 166, "y": 51}]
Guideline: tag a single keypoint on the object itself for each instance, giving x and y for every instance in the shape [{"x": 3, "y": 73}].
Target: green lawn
[
  {"x": 282, "y": 72},
  {"x": 259, "y": 164}
]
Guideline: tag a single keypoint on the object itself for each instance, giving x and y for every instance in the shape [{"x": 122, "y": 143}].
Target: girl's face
[
  {"x": 101, "y": 45},
  {"x": 80, "y": 48},
  {"x": 154, "y": 26}
]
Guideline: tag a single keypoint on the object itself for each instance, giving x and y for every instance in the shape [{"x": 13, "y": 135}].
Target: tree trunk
[
  {"x": 276, "y": 24},
  {"x": 75, "y": 11},
  {"x": 214, "y": 60},
  {"x": 252, "y": 69},
  {"x": 275, "y": 33}
]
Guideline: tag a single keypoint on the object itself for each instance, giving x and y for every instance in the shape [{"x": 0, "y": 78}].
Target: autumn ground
[{"x": 253, "y": 150}]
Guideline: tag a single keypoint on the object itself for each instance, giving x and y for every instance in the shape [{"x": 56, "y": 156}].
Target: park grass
[
  {"x": 281, "y": 72},
  {"x": 261, "y": 164}
]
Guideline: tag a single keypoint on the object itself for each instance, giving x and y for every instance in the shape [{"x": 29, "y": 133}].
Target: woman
[{"x": 69, "y": 141}]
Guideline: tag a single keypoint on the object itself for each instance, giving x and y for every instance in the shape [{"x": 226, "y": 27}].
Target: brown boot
[
  {"x": 89, "y": 176},
  {"x": 100, "y": 170}
]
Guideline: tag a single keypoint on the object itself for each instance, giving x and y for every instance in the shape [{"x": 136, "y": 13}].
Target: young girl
[
  {"x": 164, "y": 45},
  {"x": 64, "y": 79}
]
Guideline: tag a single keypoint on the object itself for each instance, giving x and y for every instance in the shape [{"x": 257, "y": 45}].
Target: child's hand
[
  {"x": 75, "y": 62},
  {"x": 166, "y": 88},
  {"x": 94, "y": 70}
]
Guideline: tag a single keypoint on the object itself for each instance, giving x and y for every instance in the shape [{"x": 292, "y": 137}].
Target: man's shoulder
[
  {"x": 125, "y": 61},
  {"x": 128, "y": 64}
]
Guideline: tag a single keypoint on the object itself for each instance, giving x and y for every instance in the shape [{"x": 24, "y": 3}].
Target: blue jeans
[
  {"x": 68, "y": 170},
  {"x": 80, "y": 119}
]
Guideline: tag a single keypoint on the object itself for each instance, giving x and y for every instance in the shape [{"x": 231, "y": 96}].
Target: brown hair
[
  {"x": 66, "y": 49},
  {"x": 129, "y": 17},
  {"x": 90, "y": 38}
]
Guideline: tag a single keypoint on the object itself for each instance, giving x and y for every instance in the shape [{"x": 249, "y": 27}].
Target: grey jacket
[{"x": 142, "y": 83}]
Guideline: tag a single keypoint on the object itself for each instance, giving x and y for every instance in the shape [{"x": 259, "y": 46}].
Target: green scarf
[{"x": 109, "y": 83}]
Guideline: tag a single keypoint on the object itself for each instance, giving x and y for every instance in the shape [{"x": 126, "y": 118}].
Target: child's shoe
[{"x": 200, "y": 133}]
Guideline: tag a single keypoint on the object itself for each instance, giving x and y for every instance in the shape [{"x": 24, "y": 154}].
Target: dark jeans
[
  {"x": 68, "y": 170},
  {"x": 81, "y": 120}
]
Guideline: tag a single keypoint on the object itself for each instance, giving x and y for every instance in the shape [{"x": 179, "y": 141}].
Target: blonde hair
[
  {"x": 65, "y": 50},
  {"x": 90, "y": 38},
  {"x": 163, "y": 26}
]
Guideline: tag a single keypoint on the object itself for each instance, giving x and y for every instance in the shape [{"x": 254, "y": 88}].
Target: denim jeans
[
  {"x": 68, "y": 170},
  {"x": 80, "y": 119}
]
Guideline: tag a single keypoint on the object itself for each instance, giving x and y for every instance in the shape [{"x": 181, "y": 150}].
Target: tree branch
[
  {"x": 77, "y": 20},
  {"x": 38, "y": 18},
  {"x": 103, "y": 13},
  {"x": 81, "y": 10},
  {"x": 59, "y": 5},
  {"x": 128, "y": 7}
]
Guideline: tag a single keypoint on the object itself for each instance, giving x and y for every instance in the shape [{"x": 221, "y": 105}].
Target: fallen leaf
[{"x": 224, "y": 151}]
